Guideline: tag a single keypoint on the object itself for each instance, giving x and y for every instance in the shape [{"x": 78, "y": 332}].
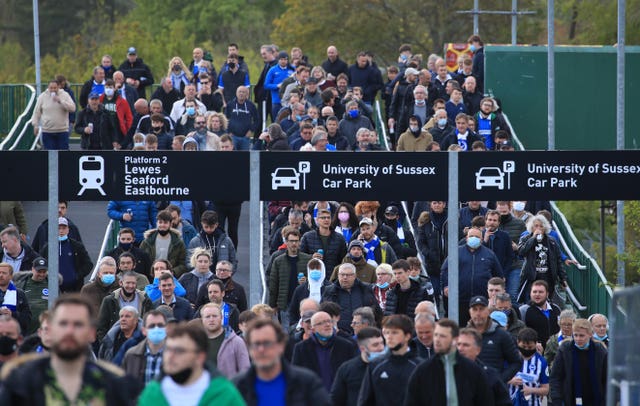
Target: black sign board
[
  {"x": 25, "y": 175},
  {"x": 161, "y": 175},
  {"x": 550, "y": 175},
  {"x": 353, "y": 176}
]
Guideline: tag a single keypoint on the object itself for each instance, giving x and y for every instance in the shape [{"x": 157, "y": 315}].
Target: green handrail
[{"x": 16, "y": 138}]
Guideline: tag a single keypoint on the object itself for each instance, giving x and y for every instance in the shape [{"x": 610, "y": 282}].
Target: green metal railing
[
  {"x": 588, "y": 285},
  {"x": 20, "y": 136},
  {"x": 13, "y": 100}
]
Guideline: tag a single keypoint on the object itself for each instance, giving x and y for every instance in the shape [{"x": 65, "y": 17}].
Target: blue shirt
[{"x": 271, "y": 393}]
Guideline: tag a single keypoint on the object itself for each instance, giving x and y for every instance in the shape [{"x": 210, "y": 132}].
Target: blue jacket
[
  {"x": 500, "y": 244},
  {"x": 476, "y": 268},
  {"x": 144, "y": 215},
  {"x": 274, "y": 77},
  {"x": 182, "y": 310}
]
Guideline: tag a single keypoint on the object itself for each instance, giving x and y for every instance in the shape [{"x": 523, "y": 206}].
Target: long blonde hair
[{"x": 179, "y": 61}]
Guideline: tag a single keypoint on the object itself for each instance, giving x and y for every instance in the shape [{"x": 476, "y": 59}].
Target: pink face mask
[{"x": 343, "y": 216}]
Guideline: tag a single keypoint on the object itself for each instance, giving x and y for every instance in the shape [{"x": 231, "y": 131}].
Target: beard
[{"x": 72, "y": 351}]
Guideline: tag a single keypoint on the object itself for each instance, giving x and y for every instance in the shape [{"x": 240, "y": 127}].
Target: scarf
[
  {"x": 577, "y": 382},
  {"x": 177, "y": 80},
  {"x": 462, "y": 140},
  {"x": 10, "y": 297},
  {"x": 369, "y": 248},
  {"x": 345, "y": 231}
]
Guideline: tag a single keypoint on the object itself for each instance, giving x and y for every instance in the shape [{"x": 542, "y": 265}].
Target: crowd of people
[{"x": 357, "y": 303}]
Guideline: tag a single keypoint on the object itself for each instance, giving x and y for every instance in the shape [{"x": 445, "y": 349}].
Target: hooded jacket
[
  {"x": 365, "y": 272},
  {"x": 176, "y": 253},
  {"x": 414, "y": 142},
  {"x": 233, "y": 357},
  {"x": 223, "y": 248}
]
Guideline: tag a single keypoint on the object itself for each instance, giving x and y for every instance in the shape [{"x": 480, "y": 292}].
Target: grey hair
[
  {"x": 129, "y": 309},
  {"x": 567, "y": 314},
  {"x": 542, "y": 220}
]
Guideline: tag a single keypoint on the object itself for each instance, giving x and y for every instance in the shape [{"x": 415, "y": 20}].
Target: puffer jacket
[
  {"x": 417, "y": 294},
  {"x": 144, "y": 215},
  {"x": 476, "y": 268},
  {"x": 222, "y": 250},
  {"x": 280, "y": 276},
  {"x": 310, "y": 243}
]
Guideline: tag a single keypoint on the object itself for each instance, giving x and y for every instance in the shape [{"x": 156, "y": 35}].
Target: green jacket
[
  {"x": 177, "y": 250},
  {"x": 279, "y": 279},
  {"x": 220, "y": 392}
]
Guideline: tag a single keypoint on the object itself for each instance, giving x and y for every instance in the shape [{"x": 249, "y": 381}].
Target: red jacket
[{"x": 123, "y": 111}]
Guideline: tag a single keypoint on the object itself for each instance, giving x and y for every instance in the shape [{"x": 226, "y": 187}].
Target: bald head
[
  {"x": 141, "y": 106},
  {"x": 332, "y": 53}
]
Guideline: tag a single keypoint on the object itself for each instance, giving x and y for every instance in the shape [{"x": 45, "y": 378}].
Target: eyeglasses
[
  {"x": 204, "y": 83},
  {"x": 200, "y": 123},
  {"x": 322, "y": 323},
  {"x": 356, "y": 323},
  {"x": 262, "y": 344},
  {"x": 324, "y": 218},
  {"x": 222, "y": 270},
  {"x": 347, "y": 275},
  {"x": 178, "y": 350},
  {"x": 293, "y": 241},
  {"x": 156, "y": 325}
]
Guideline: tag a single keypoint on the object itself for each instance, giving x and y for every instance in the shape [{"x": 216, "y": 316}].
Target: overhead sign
[
  {"x": 161, "y": 175},
  {"x": 24, "y": 175},
  {"x": 353, "y": 176},
  {"x": 550, "y": 175}
]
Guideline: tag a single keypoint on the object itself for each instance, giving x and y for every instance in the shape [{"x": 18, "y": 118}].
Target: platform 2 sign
[
  {"x": 24, "y": 175},
  {"x": 550, "y": 175},
  {"x": 352, "y": 176},
  {"x": 162, "y": 175}
]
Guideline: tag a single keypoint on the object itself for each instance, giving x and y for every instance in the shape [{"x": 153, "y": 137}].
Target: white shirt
[{"x": 189, "y": 395}]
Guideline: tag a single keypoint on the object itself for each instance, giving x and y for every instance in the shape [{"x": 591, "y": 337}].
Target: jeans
[
  {"x": 59, "y": 141},
  {"x": 241, "y": 143},
  {"x": 275, "y": 108},
  {"x": 284, "y": 319},
  {"x": 513, "y": 283}
]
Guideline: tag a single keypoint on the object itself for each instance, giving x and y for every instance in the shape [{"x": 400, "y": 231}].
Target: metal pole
[
  {"x": 452, "y": 235},
  {"x": 36, "y": 48},
  {"x": 514, "y": 22},
  {"x": 551, "y": 86},
  {"x": 476, "y": 27},
  {"x": 603, "y": 245},
  {"x": 255, "y": 281},
  {"x": 52, "y": 215},
  {"x": 620, "y": 134}
]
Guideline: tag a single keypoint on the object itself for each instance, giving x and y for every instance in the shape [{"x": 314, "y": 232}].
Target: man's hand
[
  {"x": 446, "y": 291},
  {"x": 570, "y": 261},
  {"x": 5, "y": 311}
]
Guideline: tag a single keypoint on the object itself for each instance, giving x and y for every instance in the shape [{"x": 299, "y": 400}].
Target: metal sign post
[{"x": 52, "y": 215}]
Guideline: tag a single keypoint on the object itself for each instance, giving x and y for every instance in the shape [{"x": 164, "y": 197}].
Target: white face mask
[
  {"x": 518, "y": 206},
  {"x": 108, "y": 91}
]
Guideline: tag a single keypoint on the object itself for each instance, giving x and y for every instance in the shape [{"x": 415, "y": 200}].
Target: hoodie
[{"x": 315, "y": 285}]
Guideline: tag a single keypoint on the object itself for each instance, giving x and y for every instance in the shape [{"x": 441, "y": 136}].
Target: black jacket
[
  {"x": 432, "y": 243},
  {"x": 336, "y": 248},
  {"x": 42, "y": 235},
  {"x": 423, "y": 352},
  {"x": 26, "y": 382},
  {"x": 23, "y": 310},
  {"x": 527, "y": 250},
  {"x": 561, "y": 381},
  {"x": 303, "y": 387},
  {"x": 143, "y": 262},
  {"x": 81, "y": 260},
  {"x": 190, "y": 283},
  {"x": 347, "y": 383},
  {"x": 385, "y": 377},
  {"x": 534, "y": 318},
  {"x": 498, "y": 387},
  {"x": 499, "y": 351},
  {"x": 104, "y": 132},
  {"x": 234, "y": 293},
  {"x": 417, "y": 294},
  {"x": 27, "y": 260},
  {"x": 138, "y": 70},
  {"x": 427, "y": 385},
  {"x": 300, "y": 293},
  {"x": 341, "y": 350},
  {"x": 361, "y": 294},
  {"x": 182, "y": 310},
  {"x": 452, "y": 139},
  {"x": 439, "y": 134}
]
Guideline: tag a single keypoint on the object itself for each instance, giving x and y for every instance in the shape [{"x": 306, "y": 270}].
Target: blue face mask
[
  {"x": 472, "y": 48},
  {"x": 298, "y": 117},
  {"x": 108, "y": 279},
  {"x": 354, "y": 113},
  {"x": 191, "y": 111},
  {"x": 315, "y": 275},
  {"x": 415, "y": 278},
  {"x": 373, "y": 355},
  {"x": 314, "y": 121},
  {"x": 383, "y": 285},
  {"x": 473, "y": 242},
  {"x": 442, "y": 122},
  {"x": 597, "y": 337},
  {"x": 156, "y": 335},
  {"x": 63, "y": 237},
  {"x": 584, "y": 347},
  {"x": 322, "y": 338}
]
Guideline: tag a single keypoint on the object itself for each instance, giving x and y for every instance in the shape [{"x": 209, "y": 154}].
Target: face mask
[
  {"x": 391, "y": 223},
  {"x": 472, "y": 48},
  {"x": 504, "y": 218},
  {"x": 322, "y": 338},
  {"x": 473, "y": 242},
  {"x": 354, "y": 113},
  {"x": 373, "y": 355},
  {"x": 355, "y": 258},
  {"x": 176, "y": 68},
  {"x": 107, "y": 68},
  {"x": 314, "y": 121},
  {"x": 8, "y": 345},
  {"x": 156, "y": 335},
  {"x": 126, "y": 245},
  {"x": 415, "y": 278},
  {"x": 383, "y": 285},
  {"x": 597, "y": 337},
  {"x": 315, "y": 275},
  {"x": 413, "y": 128},
  {"x": 518, "y": 206},
  {"x": 343, "y": 216},
  {"x": 108, "y": 279},
  {"x": 442, "y": 122},
  {"x": 232, "y": 65},
  {"x": 182, "y": 376},
  {"x": 109, "y": 91},
  {"x": 507, "y": 312},
  {"x": 63, "y": 237},
  {"x": 163, "y": 232},
  {"x": 420, "y": 102},
  {"x": 156, "y": 129},
  {"x": 526, "y": 353},
  {"x": 191, "y": 111},
  {"x": 584, "y": 347}
]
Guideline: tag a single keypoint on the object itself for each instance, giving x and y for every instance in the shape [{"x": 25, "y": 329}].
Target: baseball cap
[
  {"x": 131, "y": 51},
  {"x": 94, "y": 95},
  {"x": 283, "y": 54},
  {"x": 40, "y": 263},
  {"x": 411, "y": 71},
  {"x": 392, "y": 210},
  {"x": 356, "y": 243},
  {"x": 63, "y": 221},
  {"x": 506, "y": 144},
  {"x": 312, "y": 80},
  {"x": 499, "y": 318},
  {"x": 306, "y": 316},
  {"x": 479, "y": 300},
  {"x": 365, "y": 220}
]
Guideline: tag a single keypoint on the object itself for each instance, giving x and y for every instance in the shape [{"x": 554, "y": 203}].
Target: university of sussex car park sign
[
  {"x": 161, "y": 175},
  {"x": 352, "y": 176},
  {"x": 550, "y": 175}
]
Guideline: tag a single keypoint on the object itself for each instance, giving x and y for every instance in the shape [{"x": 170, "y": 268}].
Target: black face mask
[
  {"x": 526, "y": 353},
  {"x": 505, "y": 218},
  {"x": 8, "y": 345},
  {"x": 156, "y": 129},
  {"x": 182, "y": 376},
  {"x": 177, "y": 68},
  {"x": 391, "y": 223},
  {"x": 354, "y": 258},
  {"x": 232, "y": 65},
  {"x": 163, "y": 232},
  {"x": 126, "y": 245}
]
